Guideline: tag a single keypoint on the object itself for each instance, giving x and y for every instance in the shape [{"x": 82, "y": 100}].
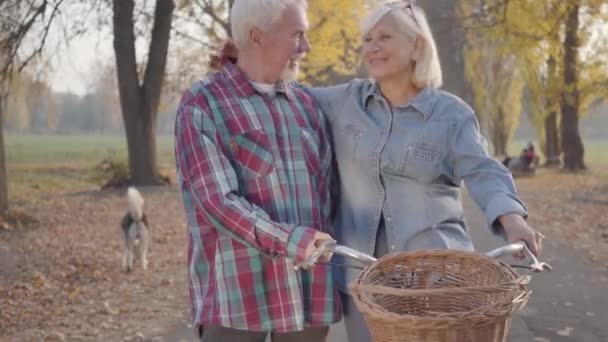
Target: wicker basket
[{"x": 439, "y": 296}]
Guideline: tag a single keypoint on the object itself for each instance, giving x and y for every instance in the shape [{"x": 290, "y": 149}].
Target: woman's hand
[{"x": 517, "y": 229}]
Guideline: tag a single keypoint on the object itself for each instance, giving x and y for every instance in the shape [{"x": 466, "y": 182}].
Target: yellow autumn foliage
[
  {"x": 531, "y": 33},
  {"x": 334, "y": 35}
]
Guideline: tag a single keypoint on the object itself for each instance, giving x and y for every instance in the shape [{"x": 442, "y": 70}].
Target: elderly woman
[{"x": 403, "y": 147}]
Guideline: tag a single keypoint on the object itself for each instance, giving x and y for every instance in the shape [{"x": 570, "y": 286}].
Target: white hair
[
  {"x": 427, "y": 70},
  {"x": 246, "y": 14}
]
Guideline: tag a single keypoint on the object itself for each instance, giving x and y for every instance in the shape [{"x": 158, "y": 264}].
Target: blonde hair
[
  {"x": 245, "y": 14},
  {"x": 427, "y": 69}
]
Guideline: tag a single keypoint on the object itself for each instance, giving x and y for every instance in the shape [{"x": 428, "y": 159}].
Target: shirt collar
[
  {"x": 424, "y": 102},
  {"x": 238, "y": 80}
]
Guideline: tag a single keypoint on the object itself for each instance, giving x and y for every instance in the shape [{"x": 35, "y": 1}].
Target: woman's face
[{"x": 387, "y": 51}]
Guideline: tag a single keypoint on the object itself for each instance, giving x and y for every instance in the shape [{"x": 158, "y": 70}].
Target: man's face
[{"x": 285, "y": 44}]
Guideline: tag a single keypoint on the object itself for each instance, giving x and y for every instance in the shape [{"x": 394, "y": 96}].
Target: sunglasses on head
[{"x": 406, "y": 5}]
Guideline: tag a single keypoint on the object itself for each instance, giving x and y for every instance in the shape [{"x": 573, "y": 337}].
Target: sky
[
  {"x": 74, "y": 62},
  {"x": 74, "y": 66}
]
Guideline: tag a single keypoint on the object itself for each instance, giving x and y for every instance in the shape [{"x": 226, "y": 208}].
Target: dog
[{"x": 135, "y": 230}]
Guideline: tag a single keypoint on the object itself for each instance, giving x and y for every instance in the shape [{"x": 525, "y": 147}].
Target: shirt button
[
  {"x": 388, "y": 219},
  {"x": 393, "y": 247}
]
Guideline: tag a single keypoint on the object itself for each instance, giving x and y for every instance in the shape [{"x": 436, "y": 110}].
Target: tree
[
  {"x": 498, "y": 88},
  {"x": 139, "y": 93},
  {"x": 572, "y": 145},
  {"x": 139, "y": 100},
  {"x": 335, "y": 39},
  {"x": 104, "y": 88},
  {"x": 3, "y": 183},
  {"x": 211, "y": 17},
  {"x": 17, "y": 20},
  {"x": 18, "y": 116},
  {"x": 561, "y": 84},
  {"x": 497, "y": 83},
  {"x": 448, "y": 30},
  {"x": 551, "y": 146}
]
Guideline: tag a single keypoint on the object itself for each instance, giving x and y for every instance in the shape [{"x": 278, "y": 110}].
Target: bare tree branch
[{"x": 45, "y": 33}]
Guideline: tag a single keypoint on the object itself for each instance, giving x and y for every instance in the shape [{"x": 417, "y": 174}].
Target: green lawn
[
  {"x": 596, "y": 152},
  {"x": 75, "y": 149},
  {"x": 38, "y": 165},
  {"x": 41, "y": 164},
  {"x": 91, "y": 149}
]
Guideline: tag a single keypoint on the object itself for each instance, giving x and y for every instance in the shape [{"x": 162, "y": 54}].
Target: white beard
[{"x": 289, "y": 74}]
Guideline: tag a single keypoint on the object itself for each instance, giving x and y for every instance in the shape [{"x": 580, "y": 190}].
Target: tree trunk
[
  {"x": 3, "y": 180},
  {"x": 499, "y": 135},
  {"x": 572, "y": 145},
  {"x": 139, "y": 103},
  {"x": 552, "y": 150},
  {"x": 449, "y": 37}
]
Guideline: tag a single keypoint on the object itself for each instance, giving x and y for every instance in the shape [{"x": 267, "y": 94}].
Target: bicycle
[{"x": 437, "y": 295}]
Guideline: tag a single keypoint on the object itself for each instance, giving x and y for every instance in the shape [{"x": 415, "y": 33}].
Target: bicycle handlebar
[{"x": 365, "y": 259}]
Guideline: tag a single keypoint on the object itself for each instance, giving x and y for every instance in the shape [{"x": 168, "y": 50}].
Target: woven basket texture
[{"x": 439, "y": 296}]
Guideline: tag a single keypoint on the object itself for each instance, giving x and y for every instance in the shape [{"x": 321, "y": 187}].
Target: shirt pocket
[
  {"x": 252, "y": 153},
  {"x": 424, "y": 154}
]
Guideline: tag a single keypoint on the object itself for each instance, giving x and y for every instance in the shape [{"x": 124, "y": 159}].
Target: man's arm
[
  {"x": 329, "y": 99},
  {"x": 213, "y": 184}
]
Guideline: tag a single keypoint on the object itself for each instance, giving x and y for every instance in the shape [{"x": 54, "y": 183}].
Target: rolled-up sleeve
[
  {"x": 488, "y": 182},
  {"x": 209, "y": 176}
]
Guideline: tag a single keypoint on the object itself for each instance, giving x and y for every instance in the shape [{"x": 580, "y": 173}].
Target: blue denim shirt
[{"x": 407, "y": 163}]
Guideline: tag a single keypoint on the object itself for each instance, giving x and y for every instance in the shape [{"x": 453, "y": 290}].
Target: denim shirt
[{"x": 406, "y": 164}]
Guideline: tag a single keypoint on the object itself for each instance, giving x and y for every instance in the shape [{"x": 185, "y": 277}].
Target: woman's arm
[
  {"x": 488, "y": 181},
  {"x": 490, "y": 184}
]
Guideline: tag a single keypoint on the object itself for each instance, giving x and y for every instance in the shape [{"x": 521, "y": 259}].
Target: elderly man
[{"x": 254, "y": 162}]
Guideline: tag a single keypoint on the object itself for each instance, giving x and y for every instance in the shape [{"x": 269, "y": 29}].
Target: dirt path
[{"x": 61, "y": 279}]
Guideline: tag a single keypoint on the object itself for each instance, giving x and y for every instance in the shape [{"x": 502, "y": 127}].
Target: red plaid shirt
[{"x": 254, "y": 173}]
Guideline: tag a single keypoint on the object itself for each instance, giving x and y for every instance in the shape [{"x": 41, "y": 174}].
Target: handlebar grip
[
  {"x": 333, "y": 247},
  {"x": 507, "y": 250}
]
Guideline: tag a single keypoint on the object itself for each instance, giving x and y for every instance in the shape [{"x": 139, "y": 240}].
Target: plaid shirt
[{"x": 254, "y": 173}]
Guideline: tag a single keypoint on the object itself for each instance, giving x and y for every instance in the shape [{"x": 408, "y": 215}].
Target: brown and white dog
[{"x": 135, "y": 230}]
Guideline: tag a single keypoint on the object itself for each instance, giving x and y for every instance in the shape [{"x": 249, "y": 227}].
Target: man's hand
[
  {"x": 517, "y": 229},
  {"x": 314, "y": 244}
]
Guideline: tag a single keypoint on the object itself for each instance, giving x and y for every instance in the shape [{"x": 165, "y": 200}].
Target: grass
[
  {"x": 38, "y": 165},
  {"x": 75, "y": 149},
  {"x": 83, "y": 150}
]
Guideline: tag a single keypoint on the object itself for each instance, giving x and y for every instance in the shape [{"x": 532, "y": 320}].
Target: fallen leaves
[
  {"x": 16, "y": 218},
  {"x": 570, "y": 207},
  {"x": 62, "y": 280},
  {"x": 61, "y": 277},
  {"x": 5, "y": 225},
  {"x": 109, "y": 310},
  {"x": 55, "y": 336}
]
